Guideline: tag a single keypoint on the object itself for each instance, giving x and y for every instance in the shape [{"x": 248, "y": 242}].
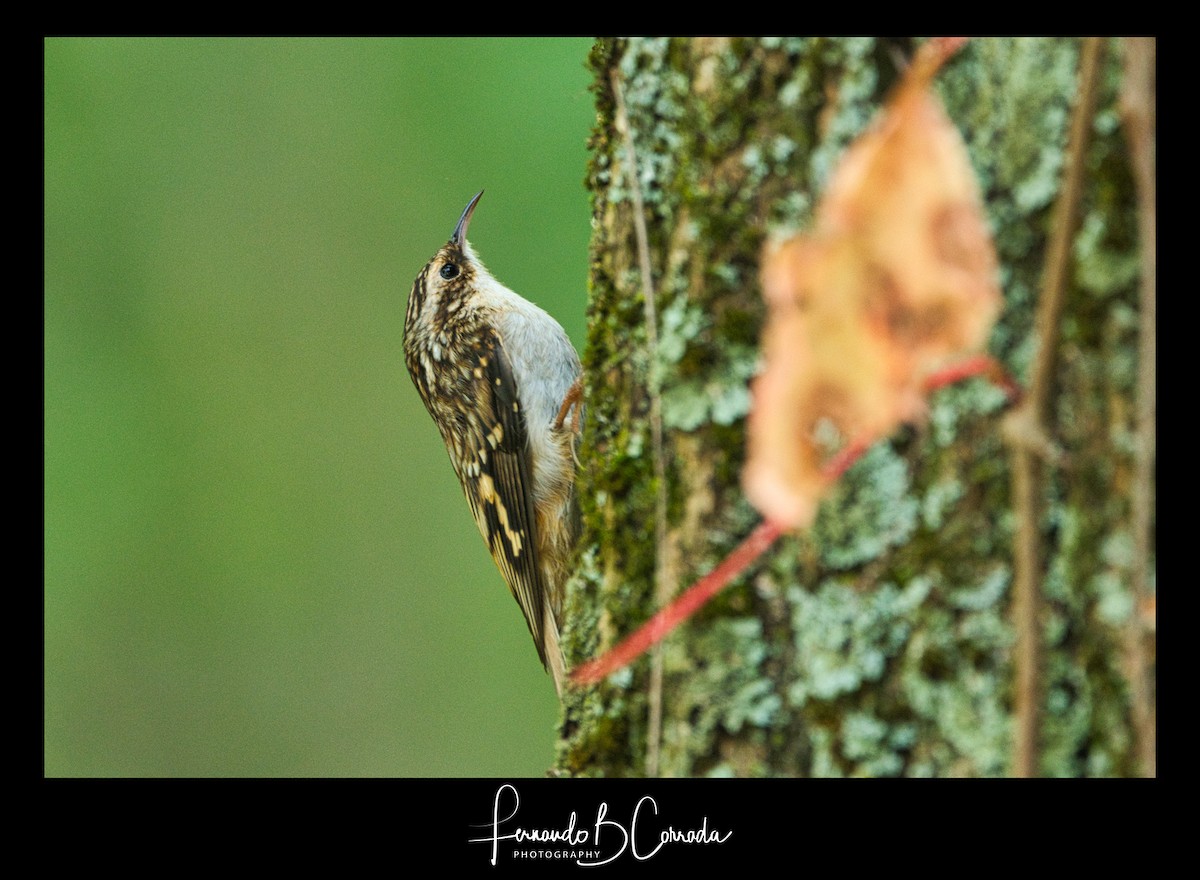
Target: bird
[{"x": 503, "y": 384}]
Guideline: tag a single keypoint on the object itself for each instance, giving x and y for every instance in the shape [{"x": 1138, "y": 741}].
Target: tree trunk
[{"x": 880, "y": 641}]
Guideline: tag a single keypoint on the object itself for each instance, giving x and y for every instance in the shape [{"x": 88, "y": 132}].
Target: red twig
[
  {"x": 688, "y": 603},
  {"x": 759, "y": 541},
  {"x": 980, "y": 365},
  {"x": 845, "y": 457}
]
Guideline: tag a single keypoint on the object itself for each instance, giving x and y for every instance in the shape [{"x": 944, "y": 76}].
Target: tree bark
[{"x": 879, "y": 642}]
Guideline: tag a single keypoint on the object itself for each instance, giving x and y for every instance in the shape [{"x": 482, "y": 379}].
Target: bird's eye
[{"x": 449, "y": 270}]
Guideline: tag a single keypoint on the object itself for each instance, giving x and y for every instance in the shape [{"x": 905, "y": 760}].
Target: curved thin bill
[{"x": 460, "y": 231}]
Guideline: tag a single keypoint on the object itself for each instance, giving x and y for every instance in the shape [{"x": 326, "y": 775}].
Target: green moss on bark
[{"x": 878, "y": 643}]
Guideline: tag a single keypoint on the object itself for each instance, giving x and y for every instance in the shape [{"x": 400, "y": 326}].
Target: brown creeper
[{"x": 499, "y": 376}]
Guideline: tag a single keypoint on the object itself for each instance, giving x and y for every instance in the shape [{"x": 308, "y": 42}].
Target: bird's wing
[{"x": 500, "y": 490}]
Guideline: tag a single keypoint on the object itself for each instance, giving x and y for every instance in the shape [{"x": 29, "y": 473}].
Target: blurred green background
[{"x": 257, "y": 559}]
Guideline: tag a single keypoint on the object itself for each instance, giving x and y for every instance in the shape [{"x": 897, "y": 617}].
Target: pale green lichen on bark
[{"x": 878, "y": 642}]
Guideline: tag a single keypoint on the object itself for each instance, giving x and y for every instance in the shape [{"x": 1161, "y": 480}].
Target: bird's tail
[{"x": 554, "y": 657}]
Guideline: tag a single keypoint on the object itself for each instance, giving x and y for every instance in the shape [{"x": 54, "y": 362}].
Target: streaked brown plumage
[{"x": 499, "y": 377}]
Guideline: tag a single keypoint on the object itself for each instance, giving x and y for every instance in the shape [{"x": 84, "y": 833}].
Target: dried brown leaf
[{"x": 897, "y": 279}]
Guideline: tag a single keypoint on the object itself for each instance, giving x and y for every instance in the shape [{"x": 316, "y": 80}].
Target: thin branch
[
  {"x": 979, "y": 365},
  {"x": 663, "y": 583},
  {"x": 1058, "y": 256},
  {"x": 1031, "y": 417},
  {"x": 1026, "y": 563},
  {"x": 689, "y": 602},
  {"x": 1138, "y": 106}
]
